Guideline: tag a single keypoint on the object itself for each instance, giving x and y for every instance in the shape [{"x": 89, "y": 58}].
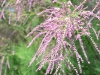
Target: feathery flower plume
[
  {"x": 19, "y": 7},
  {"x": 60, "y": 29},
  {"x": 3, "y": 2},
  {"x": 2, "y": 15},
  {"x": 64, "y": 25}
]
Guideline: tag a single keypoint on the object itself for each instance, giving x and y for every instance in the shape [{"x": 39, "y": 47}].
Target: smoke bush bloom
[{"x": 63, "y": 26}]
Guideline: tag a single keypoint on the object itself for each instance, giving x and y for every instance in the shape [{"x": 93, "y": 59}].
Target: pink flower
[
  {"x": 4, "y": 1},
  {"x": 61, "y": 24}
]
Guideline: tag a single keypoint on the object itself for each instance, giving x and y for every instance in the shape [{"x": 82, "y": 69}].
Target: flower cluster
[
  {"x": 15, "y": 9},
  {"x": 62, "y": 27}
]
